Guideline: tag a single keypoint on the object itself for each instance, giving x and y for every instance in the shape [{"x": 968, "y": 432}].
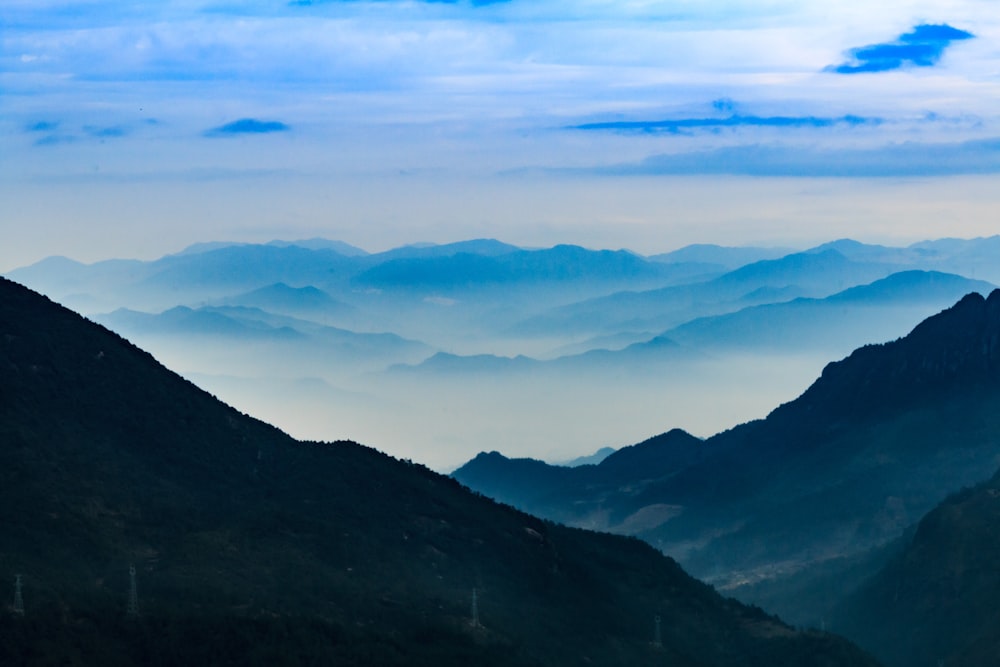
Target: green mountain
[
  {"x": 938, "y": 602},
  {"x": 876, "y": 442},
  {"x": 251, "y": 548}
]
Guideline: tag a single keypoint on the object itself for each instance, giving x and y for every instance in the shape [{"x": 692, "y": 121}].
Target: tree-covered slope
[
  {"x": 252, "y": 548},
  {"x": 880, "y": 438},
  {"x": 939, "y": 600}
]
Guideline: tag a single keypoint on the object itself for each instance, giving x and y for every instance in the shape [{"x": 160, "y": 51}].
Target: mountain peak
[{"x": 958, "y": 347}]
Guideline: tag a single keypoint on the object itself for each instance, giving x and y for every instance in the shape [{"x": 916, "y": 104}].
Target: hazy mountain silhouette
[
  {"x": 590, "y": 459},
  {"x": 483, "y": 247},
  {"x": 198, "y": 322},
  {"x": 974, "y": 258},
  {"x": 645, "y": 357},
  {"x": 812, "y": 274},
  {"x": 283, "y": 299},
  {"x": 559, "y": 264},
  {"x": 721, "y": 257},
  {"x": 252, "y": 548},
  {"x": 882, "y": 310},
  {"x": 240, "y": 333},
  {"x": 623, "y": 395},
  {"x": 870, "y": 447},
  {"x": 339, "y": 247}
]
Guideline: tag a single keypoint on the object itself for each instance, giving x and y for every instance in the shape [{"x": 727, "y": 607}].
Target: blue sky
[{"x": 135, "y": 128}]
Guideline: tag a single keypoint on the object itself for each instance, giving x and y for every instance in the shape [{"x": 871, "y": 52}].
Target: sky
[{"x": 134, "y": 129}]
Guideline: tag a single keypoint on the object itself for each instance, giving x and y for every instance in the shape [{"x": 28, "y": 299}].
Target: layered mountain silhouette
[
  {"x": 639, "y": 343},
  {"x": 871, "y": 446},
  {"x": 251, "y": 548},
  {"x": 837, "y": 323}
]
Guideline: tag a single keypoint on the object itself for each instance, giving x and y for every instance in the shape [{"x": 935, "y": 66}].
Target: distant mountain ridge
[{"x": 635, "y": 340}]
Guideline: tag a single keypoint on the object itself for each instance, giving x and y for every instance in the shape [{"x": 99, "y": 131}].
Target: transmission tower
[
  {"x": 657, "y": 638},
  {"x": 18, "y": 599},
  {"x": 475, "y": 609},
  {"x": 133, "y": 594}
]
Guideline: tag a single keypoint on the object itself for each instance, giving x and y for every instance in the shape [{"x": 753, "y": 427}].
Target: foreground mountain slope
[
  {"x": 252, "y": 548},
  {"x": 939, "y": 600},
  {"x": 872, "y": 445}
]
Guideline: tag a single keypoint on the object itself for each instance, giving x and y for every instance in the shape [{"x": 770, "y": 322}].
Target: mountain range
[
  {"x": 875, "y": 443},
  {"x": 149, "y": 523},
  {"x": 639, "y": 343}
]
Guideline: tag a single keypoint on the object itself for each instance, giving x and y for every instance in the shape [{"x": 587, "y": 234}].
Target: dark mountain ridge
[
  {"x": 252, "y": 548},
  {"x": 866, "y": 450},
  {"x": 937, "y": 601}
]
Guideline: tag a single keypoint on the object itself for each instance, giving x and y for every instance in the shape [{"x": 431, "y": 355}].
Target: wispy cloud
[
  {"x": 679, "y": 125},
  {"x": 896, "y": 160},
  {"x": 921, "y": 48},
  {"x": 54, "y": 140},
  {"x": 56, "y": 133},
  {"x": 109, "y": 132},
  {"x": 247, "y": 126}
]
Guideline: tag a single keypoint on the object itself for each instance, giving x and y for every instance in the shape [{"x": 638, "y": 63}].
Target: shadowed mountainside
[
  {"x": 253, "y": 548},
  {"x": 939, "y": 600},
  {"x": 872, "y": 445}
]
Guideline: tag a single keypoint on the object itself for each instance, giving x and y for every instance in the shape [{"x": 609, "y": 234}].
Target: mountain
[
  {"x": 191, "y": 278},
  {"x": 283, "y": 299},
  {"x": 127, "y": 489},
  {"x": 191, "y": 322},
  {"x": 865, "y": 451},
  {"x": 882, "y": 310},
  {"x": 341, "y": 248},
  {"x": 483, "y": 247},
  {"x": 802, "y": 274},
  {"x": 224, "y": 338},
  {"x": 591, "y": 459},
  {"x": 559, "y": 264},
  {"x": 727, "y": 258},
  {"x": 936, "y": 602},
  {"x": 645, "y": 358},
  {"x": 974, "y": 258},
  {"x": 580, "y": 495}
]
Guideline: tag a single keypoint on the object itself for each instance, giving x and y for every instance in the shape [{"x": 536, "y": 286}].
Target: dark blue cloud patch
[
  {"x": 923, "y": 47},
  {"x": 724, "y": 105},
  {"x": 681, "y": 125},
  {"x": 42, "y": 126},
  {"x": 247, "y": 126}
]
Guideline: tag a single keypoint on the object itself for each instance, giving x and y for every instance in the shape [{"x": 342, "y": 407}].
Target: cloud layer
[
  {"x": 412, "y": 107},
  {"x": 897, "y": 160},
  {"x": 676, "y": 126}
]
